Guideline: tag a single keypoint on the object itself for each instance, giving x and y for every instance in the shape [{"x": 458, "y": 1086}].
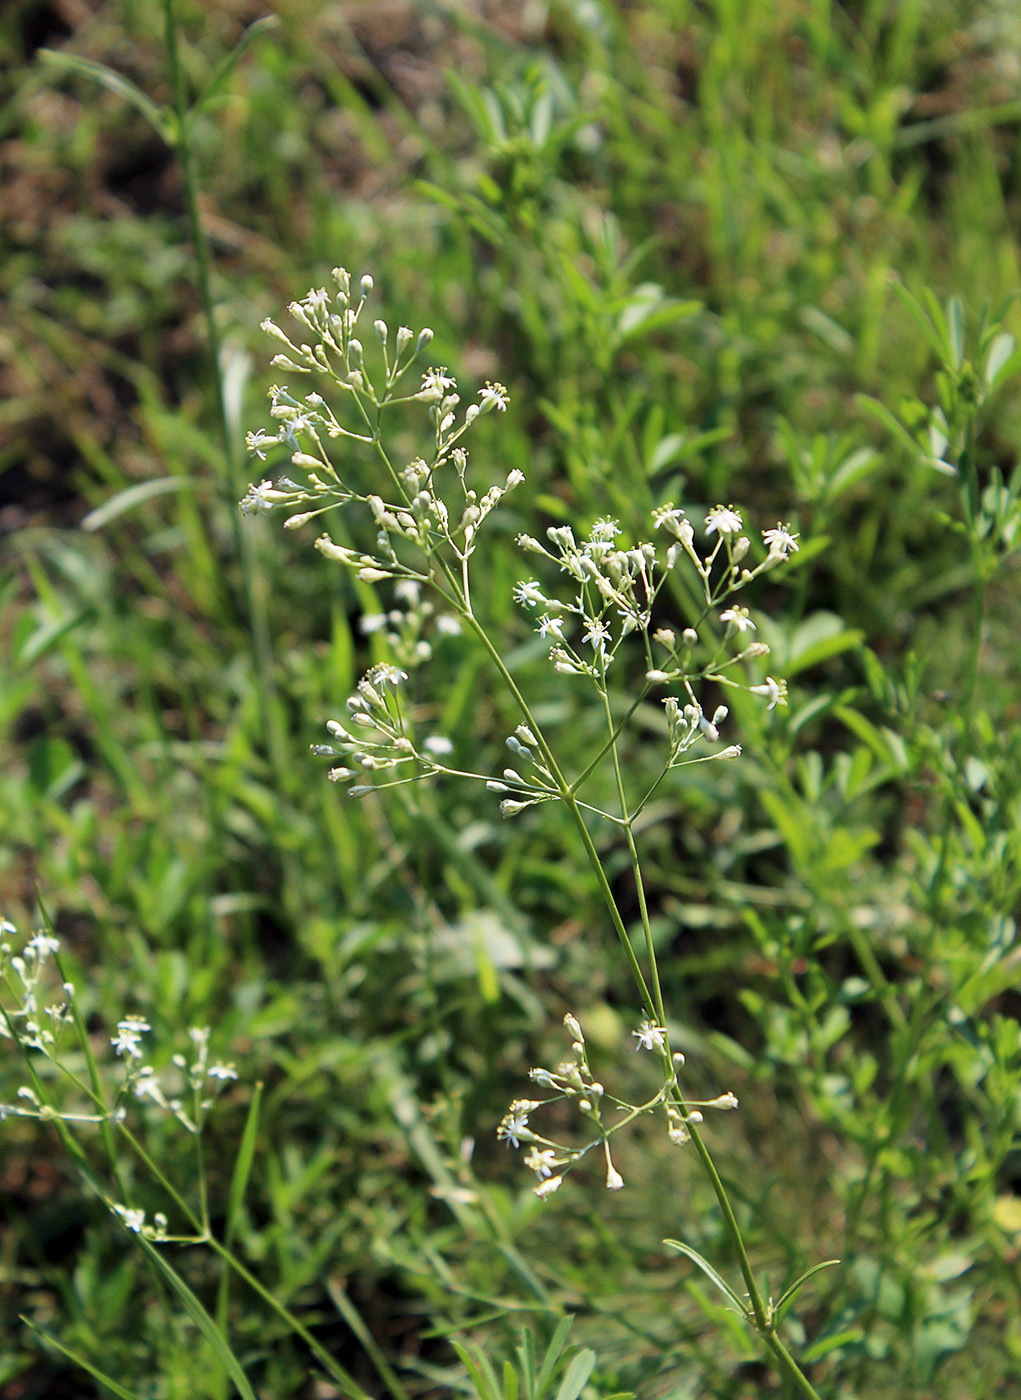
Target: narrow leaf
[
  {"x": 576, "y": 1375},
  {"x": 921, "y": 320},
  {"x": 1003, "y": 360},
  {"x": 80, "y": 1361},
  {"x": 955, "y": 330},
  {"x": 134, "y": 496},
  {"x": 709, "y": 1272},
  {"x": 229, "y": 62},
  {"x": 798, "y": 1283},
  {"x": 484, "y": 1380},
  {"x": 159, "y": 118},
  {"x": 243, "y": 1165},
  {"x": 549, "y": 1362},
  {"x": 354, "y": 1320},
  {"x": 202, "y": 1321},
  {"x": 882, "y": 414}
]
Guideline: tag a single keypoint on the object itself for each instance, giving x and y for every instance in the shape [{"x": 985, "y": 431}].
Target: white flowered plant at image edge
[{"x": 35, "y": 1020}]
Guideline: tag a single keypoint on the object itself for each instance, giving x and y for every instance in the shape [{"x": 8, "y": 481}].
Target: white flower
[
  {"x": 435, "y": 383},
  {"x": 650, "y": 1036},
  {"x": 780, "y": 542},
  {"x": 545, "y": 1189},
  {"x": 493, "y": 396},
  {"x": 221, "y": 1071},
  {"x": 512, "y": 1127},
  {"x": 438, "y": 744},
  {"x": 133, "y": 1219},
  {"x": 40, "y": 944},
  {"x": 529, "y": 543},
  {"x": 727, "y": 1100},
  {"x": 551, "y": 626},
  {"x": 258, "y": 499},
  {"x": 667, "y": 514},
  {"x": 255, "y": 442},
  {"x": 541, "y": 1161},
  {"x": 129, "y": 1036},
  {"x": 596, "y": 632},
  {"x": 775, "y": 690},
  {"x": 739, "y": 618},
  {"x": 723, "y": 519},
  {"x": 528, "y": 594},
  {"x": 385, "y": 674}
]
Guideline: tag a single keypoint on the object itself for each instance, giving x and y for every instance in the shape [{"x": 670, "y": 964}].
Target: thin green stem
[
  {"x": 653, "y": 1003},
  {"x": 789, "y": 1367},
  {"x": 256, "y": 592}
]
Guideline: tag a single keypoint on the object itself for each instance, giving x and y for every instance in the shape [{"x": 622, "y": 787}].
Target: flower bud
[
  {"x": 574, "y": 1027},
  {"x": 366, "y": 285},
  {"x": 338, "y": 553},
  {"x": 727, "y": 1100}
]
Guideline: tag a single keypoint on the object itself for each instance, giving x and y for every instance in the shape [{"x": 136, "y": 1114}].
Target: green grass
[{"x": 672, "y": 232}]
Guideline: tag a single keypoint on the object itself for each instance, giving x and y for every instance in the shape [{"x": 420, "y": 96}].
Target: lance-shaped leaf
[
  {"x": 709, "y": 1272},
  {"x": 161, "y": 119}
]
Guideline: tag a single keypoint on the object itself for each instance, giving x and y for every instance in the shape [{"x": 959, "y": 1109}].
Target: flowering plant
[{"x": 610, "y": 611}]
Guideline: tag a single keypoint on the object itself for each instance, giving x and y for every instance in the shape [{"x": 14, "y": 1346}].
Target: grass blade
[{"x": 202, "y": 1321}]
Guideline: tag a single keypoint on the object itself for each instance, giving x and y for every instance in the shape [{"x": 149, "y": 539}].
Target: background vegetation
[{"x": 674, "y": 231}]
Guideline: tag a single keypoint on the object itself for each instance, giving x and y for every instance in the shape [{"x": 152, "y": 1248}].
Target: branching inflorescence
[
  {"x": 38, "y": 1012},
  {"x": 426, "y": 530},
  {"x": 599, "y": 604}
]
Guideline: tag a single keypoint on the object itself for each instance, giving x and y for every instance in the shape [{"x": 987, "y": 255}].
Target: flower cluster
[
  {"x": 419, "y": 530},
  {"x": 616, "y": 590},
  {"x": 133, "y": 1219},
  {"x": 377, "y": 737},
  {"x": 537, "y": 784},
  {"x": 573, "y": 1080},
  {"x": 431, "y": 504},
  {"x": 36, "y": 1018}
]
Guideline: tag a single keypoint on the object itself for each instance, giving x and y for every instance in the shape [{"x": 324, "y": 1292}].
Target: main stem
[{"x": 653, "y": 1004}]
